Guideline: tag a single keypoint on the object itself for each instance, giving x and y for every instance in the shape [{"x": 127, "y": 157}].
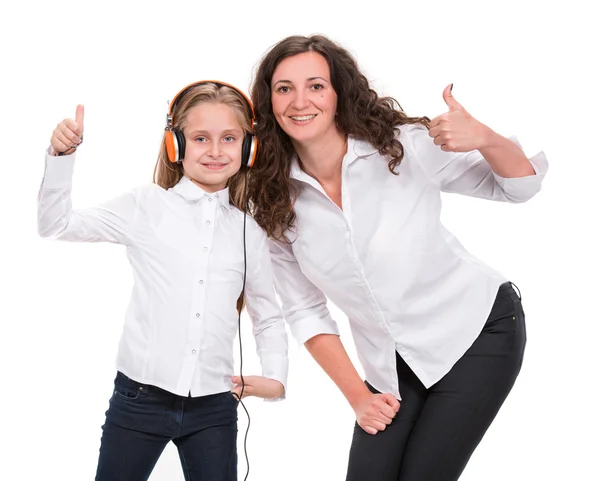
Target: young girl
[{"x": 186, "y": 240}]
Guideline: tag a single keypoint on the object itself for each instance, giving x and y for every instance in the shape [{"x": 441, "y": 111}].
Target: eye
[
  {"x": 284, "y": 89},
  {"x": 200, "y": 139},
  {"x": 317, "y": 86},
  {"x": 229, "y": 138}
]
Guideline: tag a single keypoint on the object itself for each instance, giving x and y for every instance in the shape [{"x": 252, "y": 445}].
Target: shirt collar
[
  {"x": 193, "y": 193},
  {"x": 361, "y": 148},
  {"x": 356, "y": 149}
]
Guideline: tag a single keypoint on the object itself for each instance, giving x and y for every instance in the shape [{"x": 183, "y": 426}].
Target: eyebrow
[
  {"x": 310, "y": 79},
  {"x": 227, "y": 131}
]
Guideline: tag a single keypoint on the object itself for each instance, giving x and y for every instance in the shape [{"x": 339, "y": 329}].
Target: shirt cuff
[
  {"x": 304, "y": 329},
  {"x": 520, "y": 189},
  {"x": 276, "y": 367},
  {"x": 59, "y": 170}
]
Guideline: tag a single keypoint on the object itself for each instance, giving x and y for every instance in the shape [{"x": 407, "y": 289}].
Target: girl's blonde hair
[{"x": 166, "y": 173}]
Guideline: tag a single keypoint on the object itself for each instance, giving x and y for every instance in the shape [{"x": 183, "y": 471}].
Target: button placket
[
  {"x": 366, "y": 288},
  {"x": 205, "y": 212}
]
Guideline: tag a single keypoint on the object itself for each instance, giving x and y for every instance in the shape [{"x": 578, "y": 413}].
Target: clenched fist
[{"x": 374, "y": 412}]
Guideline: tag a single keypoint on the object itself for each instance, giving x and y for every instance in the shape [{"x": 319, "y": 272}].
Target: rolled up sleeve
[
  {"x": 468, "y": 173},
  {"x": 304, "y": 305},
  {"x": 521, "y": 189}
]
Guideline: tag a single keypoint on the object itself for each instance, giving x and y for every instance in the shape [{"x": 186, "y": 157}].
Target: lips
[
  {"x": 302, "y": 119},
  {"x": 214, "y": 165}
]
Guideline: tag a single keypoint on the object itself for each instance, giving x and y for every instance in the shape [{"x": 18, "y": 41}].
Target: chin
[{"x": 301, "y": 134}]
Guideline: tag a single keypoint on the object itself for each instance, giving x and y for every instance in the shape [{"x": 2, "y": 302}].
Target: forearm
[
  {"x": 505, "y": 157},
  {"x": 54, "y": 198},
  {"x": 328, "y": 351},
  {"x": 268, "y": 329},
  {"x": 272, "y": 352},
  {"x": 111, "y": 221}
]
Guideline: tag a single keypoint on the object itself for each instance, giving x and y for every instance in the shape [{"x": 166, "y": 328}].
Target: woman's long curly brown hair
[{"x": 360, "y": 113}]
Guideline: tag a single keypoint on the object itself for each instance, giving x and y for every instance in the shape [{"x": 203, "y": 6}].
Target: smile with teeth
[
  {"x": 214, "y": 166},
  {"x": 303, "y": 118}
]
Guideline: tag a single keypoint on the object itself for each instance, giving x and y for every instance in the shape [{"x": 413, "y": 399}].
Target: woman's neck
[{"x": 322, "y": 158}]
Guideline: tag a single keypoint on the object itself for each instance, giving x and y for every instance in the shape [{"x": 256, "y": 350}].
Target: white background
[{"x": 522, "y": 67}]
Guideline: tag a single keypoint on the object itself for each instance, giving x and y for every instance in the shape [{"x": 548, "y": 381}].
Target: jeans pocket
[
  {"x": 127, "y": 389},
  {"x": 502, "y": 318}
]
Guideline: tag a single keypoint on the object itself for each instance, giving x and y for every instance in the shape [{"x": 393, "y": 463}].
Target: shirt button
[
  {"x": 207, "y": 222},
  {"x": 210, "y": 199},
  {"x": 197, "y": 314},
  {"x": 201, "y": 281},
  {"x": 205, "y": 248},
  {"x": 193, "y": 351}
]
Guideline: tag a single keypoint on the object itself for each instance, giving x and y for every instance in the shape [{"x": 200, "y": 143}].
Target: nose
[
  {"x": 300, "y": 100},
  {"x": 215, "y": 150}
]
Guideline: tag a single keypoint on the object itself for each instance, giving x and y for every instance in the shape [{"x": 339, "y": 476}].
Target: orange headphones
[{"x": 175, "y": 140}]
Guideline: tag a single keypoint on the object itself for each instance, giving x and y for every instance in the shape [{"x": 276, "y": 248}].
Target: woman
[{"x": 348, "y": 189}]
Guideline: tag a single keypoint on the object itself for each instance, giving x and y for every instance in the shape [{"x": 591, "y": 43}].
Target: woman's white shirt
[{"x": 385, "y": 259}]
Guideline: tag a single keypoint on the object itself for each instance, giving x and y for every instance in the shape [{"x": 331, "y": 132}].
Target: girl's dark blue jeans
[{"x": 142, "y": 419}]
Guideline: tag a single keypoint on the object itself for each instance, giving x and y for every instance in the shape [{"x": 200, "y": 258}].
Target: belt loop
[{"x": 518, "y": 291}]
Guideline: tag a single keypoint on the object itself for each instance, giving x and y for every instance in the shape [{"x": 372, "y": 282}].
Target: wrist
[
  {"x": 489, "y": 139},
  {"x": 280, "y": 388},
  {"x": 67, "y": 152},
  {"x": 357, "y": 396}
]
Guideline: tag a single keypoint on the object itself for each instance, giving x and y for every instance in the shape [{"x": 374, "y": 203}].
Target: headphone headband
[
  {"x": 175, "y": 140},
  {"x": 216, "y": 82}
]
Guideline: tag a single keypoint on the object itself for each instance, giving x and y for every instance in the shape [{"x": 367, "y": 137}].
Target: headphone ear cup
[
  {"x": 171, "y": 145},
  {"x": 180, "y": 138},
  {"x": 175, "y": 143},
  {"x": 249, "y": 150}
]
